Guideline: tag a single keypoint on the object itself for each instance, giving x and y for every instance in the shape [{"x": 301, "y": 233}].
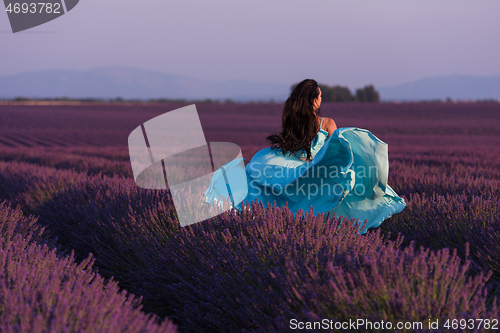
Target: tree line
[{"x": 367, "y": 94}]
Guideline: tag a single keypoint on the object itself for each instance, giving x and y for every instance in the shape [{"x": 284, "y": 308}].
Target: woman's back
[
  {"x": 318, "y": 141},
  {"x": 326, "y": 127}
]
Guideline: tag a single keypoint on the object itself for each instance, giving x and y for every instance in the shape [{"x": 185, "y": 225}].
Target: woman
[
  {"x": 314, "y": 163},
  {"x": 301, "y": 124}
]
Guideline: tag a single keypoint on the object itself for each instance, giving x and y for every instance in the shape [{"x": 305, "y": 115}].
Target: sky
[{"x": 348, "y": 42}]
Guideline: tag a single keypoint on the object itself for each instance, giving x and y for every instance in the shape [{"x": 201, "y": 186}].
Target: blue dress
[{"x": 347, "y": 176}]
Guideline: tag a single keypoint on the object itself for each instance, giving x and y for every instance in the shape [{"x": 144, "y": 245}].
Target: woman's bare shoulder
[
  {"x": 329, "y": 125},
  {"x": 329, "y": 122}
]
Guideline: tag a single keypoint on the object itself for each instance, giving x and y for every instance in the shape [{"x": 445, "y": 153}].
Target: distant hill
[
  {"x": 457, "y": 87},
  {"x": 132, "y": 83}
]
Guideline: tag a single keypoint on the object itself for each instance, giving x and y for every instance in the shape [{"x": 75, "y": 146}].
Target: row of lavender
[
  {"x": 258, "y": 269},
  {"x": 453, "y": 197},
  {"x": 44, "y": 291},
  {"x": 107, "y": 124}
]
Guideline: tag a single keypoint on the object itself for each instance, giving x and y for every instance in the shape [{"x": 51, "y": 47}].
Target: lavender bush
[
  {"x": 453, "y": 198},
  {"x": 13, "y": 222},
  {"x": 29, "y": 185},
  {"x": 113, "y": 219},
  {"x": 258, "y": 269},
  {"x": 44, "y": 293},
  {"x": 451, "y": 221},
  {"x": 41, "y": 291},
  {"x": 469, "y": 171}
]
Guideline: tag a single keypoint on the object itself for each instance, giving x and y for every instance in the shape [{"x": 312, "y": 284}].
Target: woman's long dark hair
[{"x": 299, "y": 125}]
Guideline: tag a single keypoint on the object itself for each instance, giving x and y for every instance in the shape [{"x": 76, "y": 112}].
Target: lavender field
[{"x": 83, "y": 249}]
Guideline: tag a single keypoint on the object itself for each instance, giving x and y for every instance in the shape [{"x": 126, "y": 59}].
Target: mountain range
[
  {"x": 456, "y": 87},
  {"x": 133, "y": 83}
]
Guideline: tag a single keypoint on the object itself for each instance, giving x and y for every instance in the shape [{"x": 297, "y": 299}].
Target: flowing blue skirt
[{"x": 347, "y": 176}]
